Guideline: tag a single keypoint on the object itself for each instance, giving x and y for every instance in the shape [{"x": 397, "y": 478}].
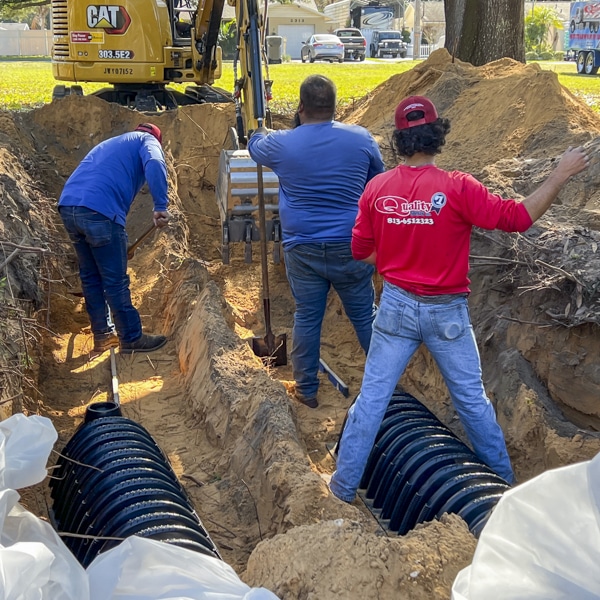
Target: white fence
[
  {"x": 35, "y": 42},
  {"x": 426, "y": 50}
]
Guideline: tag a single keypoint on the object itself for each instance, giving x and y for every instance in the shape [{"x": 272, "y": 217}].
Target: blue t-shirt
[
  {"x": 322, "y": 169},
  {"x": 109, "y": 177}
]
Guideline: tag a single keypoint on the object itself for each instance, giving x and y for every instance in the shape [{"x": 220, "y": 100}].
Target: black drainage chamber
[
  {"x": 418, "y": 470},
  {"x": 115, "y": 482}
]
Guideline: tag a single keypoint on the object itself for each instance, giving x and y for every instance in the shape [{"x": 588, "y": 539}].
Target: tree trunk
[{"x": 480, "y": 31}]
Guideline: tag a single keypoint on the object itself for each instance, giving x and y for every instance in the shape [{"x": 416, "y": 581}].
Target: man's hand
[
  {"x": 161, "y": 218},
  {"x": 573, "y": 161},
  {"x": 263, "y": 130}
]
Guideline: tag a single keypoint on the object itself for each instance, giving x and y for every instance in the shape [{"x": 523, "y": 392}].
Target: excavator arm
[
  {"x": 247, "y": 194},
  {"x": 251, "y": 90}
]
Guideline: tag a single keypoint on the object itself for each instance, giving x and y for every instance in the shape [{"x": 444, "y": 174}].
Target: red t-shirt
[{"x": 419, "y": 221}]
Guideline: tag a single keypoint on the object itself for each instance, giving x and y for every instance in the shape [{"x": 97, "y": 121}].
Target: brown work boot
[
  {"x": 146, "y": 343},
  {"x": 105, "y": 341}
]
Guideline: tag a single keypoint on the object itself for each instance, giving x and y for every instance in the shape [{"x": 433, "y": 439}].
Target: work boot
[
  {"x": 310, "y": 402},
  {"x": 105, "y": 341},
  {"x": 146, "y": 343}
]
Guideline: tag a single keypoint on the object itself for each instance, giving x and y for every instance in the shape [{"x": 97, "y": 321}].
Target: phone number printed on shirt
[{"x": 410, "y": 221}]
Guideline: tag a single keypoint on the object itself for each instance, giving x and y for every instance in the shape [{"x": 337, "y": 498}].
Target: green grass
[
  {"x": 586, "y": 87},
  {"x": 29, "y": 84},
  {"x": 26, "y": 85}
]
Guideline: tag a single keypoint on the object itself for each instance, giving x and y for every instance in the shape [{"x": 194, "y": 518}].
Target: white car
[{"x": 322, "y": 46}]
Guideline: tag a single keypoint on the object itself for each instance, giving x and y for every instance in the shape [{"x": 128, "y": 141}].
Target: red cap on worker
[
  {"x": 151, "y": 129},
  {"x": 418, "y": 104}
]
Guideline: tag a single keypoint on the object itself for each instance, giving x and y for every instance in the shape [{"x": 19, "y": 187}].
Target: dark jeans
[
  {"x": 311, "y": 270},
  {"x": 101, "y": 247}
]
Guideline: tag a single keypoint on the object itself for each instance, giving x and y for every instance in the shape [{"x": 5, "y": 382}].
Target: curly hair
[{"x": 428, "y": 138}]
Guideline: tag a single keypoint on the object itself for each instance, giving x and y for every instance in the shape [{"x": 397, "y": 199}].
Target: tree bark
[{"x": 480, "y": 31}]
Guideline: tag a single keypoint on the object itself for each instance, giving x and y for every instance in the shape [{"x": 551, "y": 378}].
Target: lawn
[{"x": 29, "y": 84}]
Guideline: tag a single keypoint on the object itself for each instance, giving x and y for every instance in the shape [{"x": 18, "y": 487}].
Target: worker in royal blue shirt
[
  {"x": 93, "y": 207},
  {"x": 323, "y": 167}
]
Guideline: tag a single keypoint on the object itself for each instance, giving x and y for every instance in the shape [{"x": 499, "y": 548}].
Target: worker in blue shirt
[
  {"x": 322, "y": 166},
  {"x": 93, "y": 207}
]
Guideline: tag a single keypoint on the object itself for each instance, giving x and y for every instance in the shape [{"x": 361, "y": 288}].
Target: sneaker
[
  {"x": 310, "y": 402},
  {"x": 146, "y": 343},
  {"x": 105, "y": 341}
]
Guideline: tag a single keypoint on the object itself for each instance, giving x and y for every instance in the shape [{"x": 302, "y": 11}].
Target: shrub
[
  {"x": 559, "y": 55},
  {"x": 547, "y": 55},
  {"x": 532, "y": 56}
]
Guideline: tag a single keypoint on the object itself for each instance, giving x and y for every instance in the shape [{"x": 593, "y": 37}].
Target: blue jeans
[
  {"x": 101, "y": 247},
  {"x": 311, "y": 270},
  {"x": 401, "y": 325}
]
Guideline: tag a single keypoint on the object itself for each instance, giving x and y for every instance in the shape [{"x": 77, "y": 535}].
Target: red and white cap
[
  {"x": 415, "y": 103},
  {"x": 151, "y": 129}
]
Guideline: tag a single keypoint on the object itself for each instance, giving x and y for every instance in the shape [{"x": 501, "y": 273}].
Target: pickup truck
[
  {"x": 387, "y": 43},
  {"x": 355, "y": 44}
]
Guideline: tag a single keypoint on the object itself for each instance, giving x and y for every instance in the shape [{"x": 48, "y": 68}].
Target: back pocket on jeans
[{"x": 98, "y": 232}]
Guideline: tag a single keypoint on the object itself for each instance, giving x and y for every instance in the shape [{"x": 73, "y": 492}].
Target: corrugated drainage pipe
[
  {"x": 115, "y": 482},
  {"x": 418, "y": 470}
]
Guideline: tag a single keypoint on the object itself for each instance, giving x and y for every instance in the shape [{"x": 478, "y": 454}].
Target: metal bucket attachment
[{"x": 237, "y": 197}]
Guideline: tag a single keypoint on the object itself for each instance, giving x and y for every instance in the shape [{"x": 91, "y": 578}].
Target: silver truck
[{"x": 355, "y": 44}]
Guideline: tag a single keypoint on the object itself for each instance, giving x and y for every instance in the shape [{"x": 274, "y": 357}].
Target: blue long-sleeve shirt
[
  {"x": 322, "y": 169},
  {"x": 108, "y": 179}
]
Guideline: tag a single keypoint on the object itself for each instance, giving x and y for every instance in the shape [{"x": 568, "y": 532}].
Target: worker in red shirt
[{"x": 414, "y": 223}]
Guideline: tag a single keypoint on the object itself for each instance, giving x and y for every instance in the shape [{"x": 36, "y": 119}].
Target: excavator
[{"x": 138, "y": 48}]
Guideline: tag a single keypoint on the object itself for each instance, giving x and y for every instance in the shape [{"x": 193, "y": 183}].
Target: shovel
[
  {"x": 271, "y": 349},
  {"x": 133, "y": 247}
]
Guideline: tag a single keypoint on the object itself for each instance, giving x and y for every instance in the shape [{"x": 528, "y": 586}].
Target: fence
[
  {"x": 35, "y": 42},
  {"x": 426, "y": 50}
]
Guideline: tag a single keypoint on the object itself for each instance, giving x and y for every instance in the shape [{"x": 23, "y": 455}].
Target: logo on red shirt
[{"x": 402, "y": 207}]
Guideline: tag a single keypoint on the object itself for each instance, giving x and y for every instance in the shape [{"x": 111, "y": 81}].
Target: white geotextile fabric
[
  {"x": 542, "y": 541},
  {"x": 35, "y": 564}
]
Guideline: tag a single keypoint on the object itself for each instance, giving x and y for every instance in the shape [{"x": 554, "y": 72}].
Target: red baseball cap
[
  {"x": 415, "y": 103},
  {"x": 151, "y": 129}
]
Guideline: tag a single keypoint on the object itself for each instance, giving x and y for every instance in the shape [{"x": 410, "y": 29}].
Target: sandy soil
[{"x": 249, "y": 455}]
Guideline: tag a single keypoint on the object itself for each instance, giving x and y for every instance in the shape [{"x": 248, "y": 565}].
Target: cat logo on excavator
[{"x": 113, "y": 19}]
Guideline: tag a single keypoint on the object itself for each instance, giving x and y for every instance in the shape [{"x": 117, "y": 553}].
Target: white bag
[
  {"x": 542, "y": 541},
  {"x": 25, "y": 445},
  {"x": 144, "y": 569},
  {"x": 35, "y": 564}
]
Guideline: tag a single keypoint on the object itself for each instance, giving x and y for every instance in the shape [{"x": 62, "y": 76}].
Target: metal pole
[{"x": 417, "y": 31}]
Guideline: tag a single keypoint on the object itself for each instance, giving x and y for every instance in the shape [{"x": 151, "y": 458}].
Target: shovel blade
[{"x": 271, "y": 349}]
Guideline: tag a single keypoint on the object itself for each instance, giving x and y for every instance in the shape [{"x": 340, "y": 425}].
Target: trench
[{"x": 248, "y": 456}]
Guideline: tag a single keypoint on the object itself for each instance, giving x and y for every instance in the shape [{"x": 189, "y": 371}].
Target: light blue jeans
[
  {"x": 401, "y": 325},
  {"x": 311, "y": 271}
]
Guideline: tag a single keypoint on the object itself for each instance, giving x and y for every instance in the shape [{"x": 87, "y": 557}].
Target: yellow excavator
[{"x": 138, "y": 48}]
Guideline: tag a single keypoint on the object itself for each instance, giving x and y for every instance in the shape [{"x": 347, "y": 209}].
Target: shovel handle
[{"x": 133, "y": 247}]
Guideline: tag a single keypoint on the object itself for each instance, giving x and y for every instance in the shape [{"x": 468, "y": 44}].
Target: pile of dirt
[{"x": 249, "y": 456}]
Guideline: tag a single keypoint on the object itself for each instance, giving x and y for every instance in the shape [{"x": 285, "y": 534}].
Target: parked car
[
  {"x": 388, "y": 43},
  {"x": 322, "y": 46},
  {"x": 355, "y": 44}
]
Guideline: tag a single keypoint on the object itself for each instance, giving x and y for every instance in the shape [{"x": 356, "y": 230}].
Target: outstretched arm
[{"x": 573, "y": 161}]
